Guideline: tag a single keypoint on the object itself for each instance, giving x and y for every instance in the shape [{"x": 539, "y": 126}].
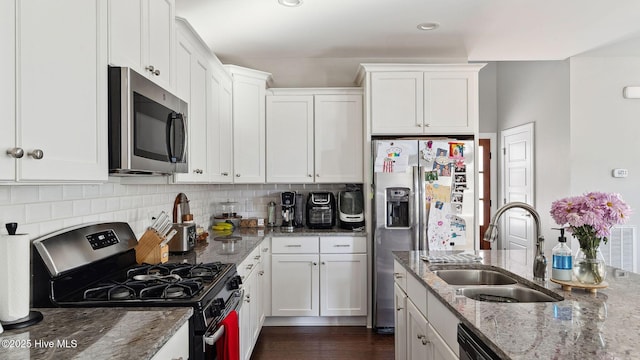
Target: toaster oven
[{"x": 321, "y": 210}]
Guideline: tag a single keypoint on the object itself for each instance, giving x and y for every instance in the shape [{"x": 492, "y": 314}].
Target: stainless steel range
[{"x": 95, "y": 265}]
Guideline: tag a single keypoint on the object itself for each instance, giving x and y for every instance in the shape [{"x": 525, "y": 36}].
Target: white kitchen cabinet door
[
  {"x": 295, "y": 284},
  {"x": 400, "y": 335},
  {"x": 290, "y": 139},
  {"x": 248, "y": 129},
  {"x": 245, "y": 320},
  {"x": 343, "y": 284},
  {"x": 418, "y": 347},
  {"x": 7, "y": 89},
  {"x": 397, "y": 102},
  {"x": 265, "y": 248},
  {"x": 192, "y": 86},
  {"x": 177, "y": 347},
  {"x": 451, "y": 100},
  {"x": 439, "y": 348},
  {"x": 338, "y": 139},
  {"x": 141, "y": 37},
  {"x": 221, "y": 131},
  {"x": 161, "y": 24},
  {"x": 62, "y": 90}
]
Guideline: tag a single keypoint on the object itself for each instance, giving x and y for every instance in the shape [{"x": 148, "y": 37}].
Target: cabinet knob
[
  {"x": 237, "y": 175},
  {"x": 315, "y": 263},
  {"x": 198, "y": 171},
  {"x": 16, "y": 152},
  {"x": 397, "y": 275},
  {"x": 309, "y": 175},
  {"x": 36, "y": 154},
  {"x": 265, "y": 249},
  {"x": 225, "y": 174},
  {"x": 261, "y": 272},
  {"x": 317, "y": 175},
  {"x": 153, "y": 70},
  {"x": 399, "y": 309},
  {"x": 424, "y": 339},
  {"x": 257, "y": 257},
  {"x": 427, "y": 125},
  {"x": 418, "y": 125},
  {"x": 250, "y": 266}
]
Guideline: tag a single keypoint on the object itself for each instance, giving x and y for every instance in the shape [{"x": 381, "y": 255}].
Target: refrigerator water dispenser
[{"x": 398, "y": 207}]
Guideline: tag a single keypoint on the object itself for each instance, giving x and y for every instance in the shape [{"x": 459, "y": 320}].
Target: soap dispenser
[{"x": 562, "y": 268}]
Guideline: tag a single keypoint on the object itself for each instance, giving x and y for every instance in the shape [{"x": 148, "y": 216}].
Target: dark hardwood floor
[{"x": 339, "y": 342}]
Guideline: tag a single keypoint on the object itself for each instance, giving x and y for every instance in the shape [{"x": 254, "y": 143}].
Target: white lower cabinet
[
  {"x": 177, "y": 347},
  {"x": 314, "y": 276},
  {"x": 424, "y": 327},
  {"x": 400, "y": 336},
  {"x": 252, "y": 310}
]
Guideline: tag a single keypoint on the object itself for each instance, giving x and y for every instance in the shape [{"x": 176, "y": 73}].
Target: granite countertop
[
  {"x": 94, "y": 333},
  {"x": 605, "y": 325},
  {"x": 220, "y": 248}
]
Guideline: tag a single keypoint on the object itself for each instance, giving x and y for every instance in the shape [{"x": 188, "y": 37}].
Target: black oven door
[{"x": 215, "y": 331}]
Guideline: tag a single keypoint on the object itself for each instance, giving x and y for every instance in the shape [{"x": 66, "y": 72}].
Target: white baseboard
[{"x": 316, "y": 321}]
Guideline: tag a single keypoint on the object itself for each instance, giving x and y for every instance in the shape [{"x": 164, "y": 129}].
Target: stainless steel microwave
[{"x": 147, "y": 127}]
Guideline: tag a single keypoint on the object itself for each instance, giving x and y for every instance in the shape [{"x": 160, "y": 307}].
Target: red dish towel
[{"x": 228, "y": 346}]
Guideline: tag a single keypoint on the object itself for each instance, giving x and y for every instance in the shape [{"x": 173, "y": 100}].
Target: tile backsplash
[{"x": 40, "y": 209}]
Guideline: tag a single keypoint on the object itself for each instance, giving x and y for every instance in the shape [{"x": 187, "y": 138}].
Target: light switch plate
[{"x": 620, "y": 173}]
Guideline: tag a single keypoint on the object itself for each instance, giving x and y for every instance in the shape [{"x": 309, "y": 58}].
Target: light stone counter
[
  {"x": 605, "y": 325},
  {"x": 211, "y": 250},
  {"x": 98, "y": 333}
]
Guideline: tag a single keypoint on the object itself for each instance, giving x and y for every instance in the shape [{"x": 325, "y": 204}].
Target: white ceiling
[{"x": 476, "y": 30}]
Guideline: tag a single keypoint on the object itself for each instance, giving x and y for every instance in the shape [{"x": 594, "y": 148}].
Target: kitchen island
[
  {"x": 94, "y": 333},
  {"x": 605, "y": 325}
]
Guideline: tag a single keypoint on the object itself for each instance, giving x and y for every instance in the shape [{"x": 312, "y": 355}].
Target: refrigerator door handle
[
  {"x": 422, "y": 210},
  {"x": 417, "y": 209}
]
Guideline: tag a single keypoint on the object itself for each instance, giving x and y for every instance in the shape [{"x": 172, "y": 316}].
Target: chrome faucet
[{"x": 539, "y": 260}]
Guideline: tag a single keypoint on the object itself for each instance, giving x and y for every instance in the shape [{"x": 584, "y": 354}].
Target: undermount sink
[
  {"x": 507, "y": 294},
  {"x": 474, "y": 277}
]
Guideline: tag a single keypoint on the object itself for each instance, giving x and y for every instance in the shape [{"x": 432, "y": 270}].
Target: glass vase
[{"x": 589, "y": 266}]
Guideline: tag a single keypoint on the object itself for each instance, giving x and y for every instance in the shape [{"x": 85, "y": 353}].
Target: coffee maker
[{"x": 288, "y": 203}]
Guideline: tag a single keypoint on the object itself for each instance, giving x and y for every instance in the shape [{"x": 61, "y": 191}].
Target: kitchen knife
[
  {"x": 165, "y": 229},
  {"x": 156, "y": 222},
  {"x": 169, "y": 237}
]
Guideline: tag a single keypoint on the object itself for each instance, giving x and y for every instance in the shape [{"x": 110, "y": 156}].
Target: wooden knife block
[{"x": 149, "y": 251}]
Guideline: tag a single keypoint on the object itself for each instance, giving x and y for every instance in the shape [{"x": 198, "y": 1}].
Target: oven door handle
[{"x": 212, "y": 339}]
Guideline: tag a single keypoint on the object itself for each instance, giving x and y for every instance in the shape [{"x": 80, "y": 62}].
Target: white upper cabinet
[
  {"x": 7, "y": 90},
  {"x": 221, "y": 133},
  {"x": 314, "y": 136},
  {"x": 141, "y": 36},
  {"x": 338, "y": 139},
  {"x": 408, "y": 99},
  {"x": 290, "y": 139},
  {"x": 249, "y": 91},
  {"x": 192, "y": 68},
  {"x": 58, "y": 118}
]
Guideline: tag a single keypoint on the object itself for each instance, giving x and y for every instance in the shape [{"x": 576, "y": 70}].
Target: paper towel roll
[{"x": 14, "y": 276}]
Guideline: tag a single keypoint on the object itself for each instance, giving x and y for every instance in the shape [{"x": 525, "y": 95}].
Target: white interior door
[{"x": 517, "y": 185}]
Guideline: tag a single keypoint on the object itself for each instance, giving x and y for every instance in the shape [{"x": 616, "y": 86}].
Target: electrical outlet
[{"x": 620, "y": 173}]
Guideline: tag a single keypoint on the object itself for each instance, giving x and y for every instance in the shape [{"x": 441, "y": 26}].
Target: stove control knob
[
  {"x": 235, "y": 283},
  {"x": 216, "y": 307}
]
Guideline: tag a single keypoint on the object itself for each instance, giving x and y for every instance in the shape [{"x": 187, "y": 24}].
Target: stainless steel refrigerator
[{"x": 424, "y": 200}]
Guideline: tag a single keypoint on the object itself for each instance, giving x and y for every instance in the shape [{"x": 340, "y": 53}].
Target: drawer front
[
  {"x": 400, "y": 275},
  {"x": 295, "y": 245},
  {"x": 343, "y": 244},
  {"x": 417, "y": 292}
]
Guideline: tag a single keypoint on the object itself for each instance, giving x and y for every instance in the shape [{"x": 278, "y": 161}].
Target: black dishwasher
[{"x": 471, "y": 347}]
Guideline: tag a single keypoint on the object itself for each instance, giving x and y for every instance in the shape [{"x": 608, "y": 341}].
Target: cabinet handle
[
  {"x": 265, "y": 249},
  {"x": 424, "y": 339},
  {"x": 261, "y": 272},
  {"x": 198, "y": 171},
  {"x": 237, "y": 175},
  {"x": 36, "y": 154},
  {"x": 399, "y": 308},
  {"x": 16, "y": 152},
  {"x": 250, "y": 266},
  {"x": 339, "y": 245},
  {"x": 180, "y": 358},
  {"x": 225, "y": 174},
  {"x": 298, "y": 245},
  {"x": 427, "y": 125},
  {"x": 257, "y": 257},
  {"x": 153, "y": 70},
  {"x": 397, "y": 275},
  {"x": 247, "y": 298}
]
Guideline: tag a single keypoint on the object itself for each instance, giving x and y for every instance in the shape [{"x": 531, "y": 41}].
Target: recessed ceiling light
[
  {"x": 428, "y": 26},
  {"x": 290, "y": 3}
]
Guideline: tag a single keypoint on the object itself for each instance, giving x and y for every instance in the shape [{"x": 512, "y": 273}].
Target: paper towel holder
[{"x": 34, "y": 316}]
